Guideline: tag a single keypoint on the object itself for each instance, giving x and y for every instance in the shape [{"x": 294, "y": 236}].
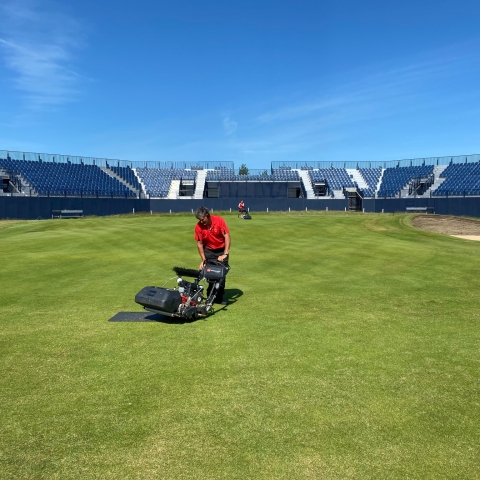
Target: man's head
[{"x": 203, "y": 215}]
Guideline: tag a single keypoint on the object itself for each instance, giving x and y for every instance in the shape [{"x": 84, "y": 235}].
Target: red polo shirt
[{"x": 212, "y": 237}]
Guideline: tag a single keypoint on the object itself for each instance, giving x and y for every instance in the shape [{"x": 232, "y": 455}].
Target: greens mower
[{"x": 189, "y": 299}]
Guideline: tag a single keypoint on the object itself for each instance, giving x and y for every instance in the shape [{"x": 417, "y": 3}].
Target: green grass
[{"x": 352, "y": 351}]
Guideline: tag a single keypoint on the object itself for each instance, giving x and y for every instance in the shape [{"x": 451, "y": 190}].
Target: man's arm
[
  {"x": 227, "y": 248},
  {"x": 202, "y": 253}
]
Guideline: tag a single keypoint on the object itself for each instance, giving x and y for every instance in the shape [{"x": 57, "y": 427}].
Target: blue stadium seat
[
  {"x": 50, "y": 178},
  {"x": 371, "y": 177},
  {"x": 396, "y": 178},
  {"x": 460, "y": 179},
  {"x": 335, "y": 178},
  {"x": 157, "y": 181}
]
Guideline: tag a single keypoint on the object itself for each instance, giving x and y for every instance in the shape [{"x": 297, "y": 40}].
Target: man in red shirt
[{"x": 213, "y": 243}]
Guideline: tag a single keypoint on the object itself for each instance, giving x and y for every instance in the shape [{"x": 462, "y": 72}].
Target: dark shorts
[{"x": 212, "y": 255}]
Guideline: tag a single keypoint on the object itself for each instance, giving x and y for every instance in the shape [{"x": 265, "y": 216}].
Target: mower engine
[{"x": 189, "y": 300}]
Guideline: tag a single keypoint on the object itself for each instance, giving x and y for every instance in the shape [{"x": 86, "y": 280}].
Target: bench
[
  {"x": 67, "y": 213},
  {"x": 420, "y": 209}
]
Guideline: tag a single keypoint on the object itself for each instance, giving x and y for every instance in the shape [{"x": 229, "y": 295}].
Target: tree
[
  {"x": 265, "y": 173},
  {"x": 243, "y": 170}
]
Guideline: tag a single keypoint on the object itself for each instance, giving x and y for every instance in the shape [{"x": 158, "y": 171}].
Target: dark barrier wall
[
  {"x": 254, "y": 204},
  {"x": 31, "y": 208},
  {"x": 466, "y": 206},
  {"x": 252, "y": 190}
]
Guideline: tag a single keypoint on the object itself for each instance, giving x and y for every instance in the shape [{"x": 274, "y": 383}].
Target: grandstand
[
  {"x": 164, "y": 182},
  {"x": 459, "y": 179},
  {"x": 279, "y": 183},
  {"x": 50, "y": 178},
  {"x": 43, "y": 175},
  {"x": 336, "y": 180},
  {"x": 371, "y": 177},
  {"x": 127, "y": 175},
  {"x": 396, "y": 180},
  {"x": 34, "y": 174}
]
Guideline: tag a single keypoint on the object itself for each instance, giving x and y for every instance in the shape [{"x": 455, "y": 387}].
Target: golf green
[{"x": 350, "y": 349}]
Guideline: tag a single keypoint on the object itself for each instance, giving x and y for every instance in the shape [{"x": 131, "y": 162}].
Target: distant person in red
[
  {"x": 241, "y": 207},
  {"x": 213, "y": 243}
]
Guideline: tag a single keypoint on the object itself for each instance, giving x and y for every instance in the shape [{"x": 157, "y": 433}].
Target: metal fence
[
  {"x": 104, "y": 162},
  {"x": 410, "y": 162}
]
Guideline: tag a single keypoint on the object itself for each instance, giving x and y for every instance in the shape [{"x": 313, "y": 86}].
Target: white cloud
[
  {"x": 331, "y": 118},
  {"x": 371, "y": 95},
  {"x": 229, "y": 126},
  {"x": 39, "y": 54}
]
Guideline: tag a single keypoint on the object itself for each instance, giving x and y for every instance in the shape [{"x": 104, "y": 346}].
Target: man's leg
[
  {"x": 220, "y": 291},
  {"x": 213, "y": 257}
]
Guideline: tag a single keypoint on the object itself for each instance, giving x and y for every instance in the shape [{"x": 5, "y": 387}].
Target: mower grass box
[{"x": 162, "y": 299}]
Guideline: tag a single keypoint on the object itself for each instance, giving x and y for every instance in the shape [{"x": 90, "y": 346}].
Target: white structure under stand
[
  {"x": 200, "y": 185},
  {"x": 404, "y": 192},
  {"x": 338, "y": 194},
  {"x": 377, "y": 188},
  {"x": 437, "y": 171},
  {"x": 27, "y": 189},
  {"x": 144, "y": 189},
  {"x": 174, "y": 189},
  {"x": 307, "y": 183},
  {"x": 356, "y": 176}
]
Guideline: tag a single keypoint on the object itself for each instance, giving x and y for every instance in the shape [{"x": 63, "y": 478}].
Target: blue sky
[{"x": 248, "y": 81}]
